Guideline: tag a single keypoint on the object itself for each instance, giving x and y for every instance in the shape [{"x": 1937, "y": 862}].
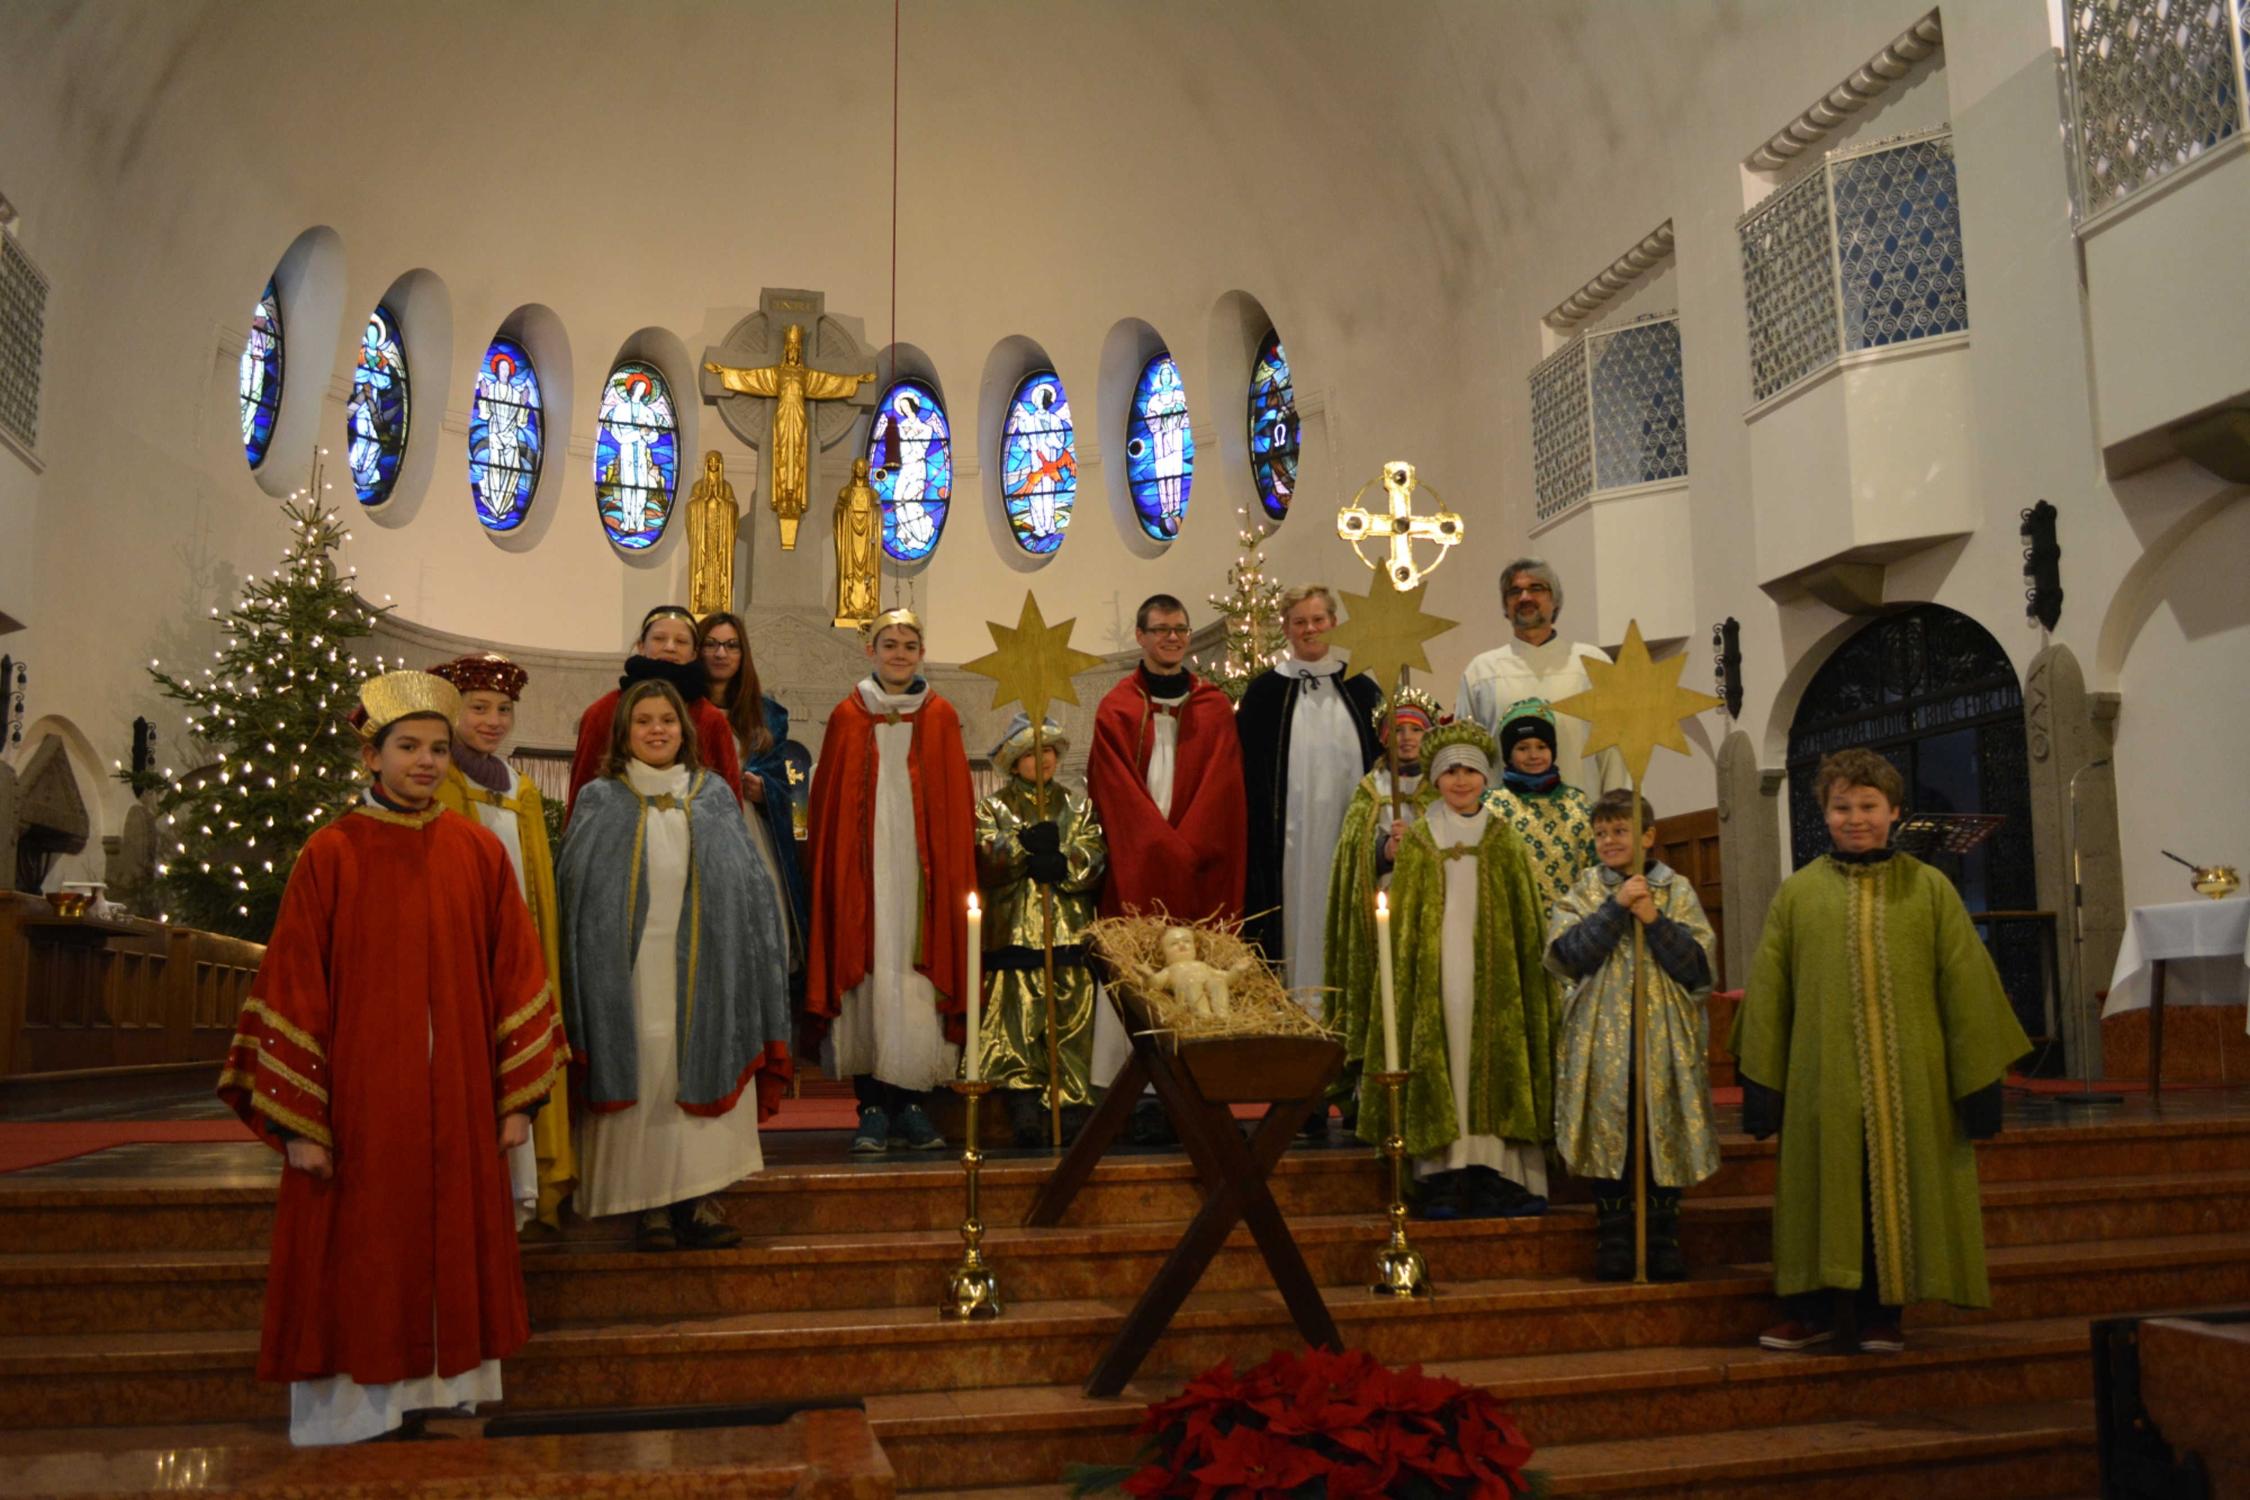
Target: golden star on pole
[
  {"x": 1033, "y": 662},
  {"x": 1636, "y": 704},
  {"x": 1385, "y": 630}
]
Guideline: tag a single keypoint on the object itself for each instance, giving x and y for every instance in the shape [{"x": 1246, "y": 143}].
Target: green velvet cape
[
  {"x": 1511, "y": 1045},
  {"x": 1872, "y": 1007},
  {"x": 1352, "y": 1006}
]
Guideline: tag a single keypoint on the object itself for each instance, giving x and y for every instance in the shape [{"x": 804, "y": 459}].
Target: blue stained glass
[
  {"x": 1160, "y": 449},
  {"x": 507, "y": 436},
  {"x": 375, "y": 416},
  {"x": 636, "y": 455},
  {"x": 1273, "y": 428},
  {"x": 910, "y": 464},
  {"x": 1039, "y": 463},
  {"x": 260, "y": 377}
]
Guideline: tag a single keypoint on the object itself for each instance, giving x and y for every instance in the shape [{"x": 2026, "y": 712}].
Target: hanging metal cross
[{"x": 1400, "y": 525}]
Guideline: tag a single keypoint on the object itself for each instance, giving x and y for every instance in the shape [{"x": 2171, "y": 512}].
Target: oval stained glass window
[
  {"x": 260, "y": 378},
  {"x": 1039, "y": 463},
  {"x": 910, "y": 464},
  {"x": 1273, "y": 428},
  {"x": 636, "y": 455},
  {"x": 507, "y": 435},
  {"x": 1160, "y": 449},
  {"x": 376, "y": 414}
]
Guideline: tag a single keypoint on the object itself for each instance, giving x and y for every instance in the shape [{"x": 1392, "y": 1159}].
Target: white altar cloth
[{"x": 2202, "y": 945}]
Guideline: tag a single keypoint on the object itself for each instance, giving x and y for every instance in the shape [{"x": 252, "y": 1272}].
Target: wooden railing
[{"x": 78, "y": 992}]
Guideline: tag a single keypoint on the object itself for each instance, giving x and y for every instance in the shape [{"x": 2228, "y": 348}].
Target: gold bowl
[
  {"x": 70, "y": 903},
  {"x": 2217, "y": 881}
]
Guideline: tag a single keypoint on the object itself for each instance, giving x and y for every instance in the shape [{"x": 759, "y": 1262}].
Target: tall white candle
[
  {"x": 972, "y": 1063},
  {"x": 1383, "y": 966}
]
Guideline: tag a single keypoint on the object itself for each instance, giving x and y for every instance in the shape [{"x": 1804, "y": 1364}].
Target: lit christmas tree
[
  {"x": 270, "y": 710},
  {"x": 1251, "y": 607}
]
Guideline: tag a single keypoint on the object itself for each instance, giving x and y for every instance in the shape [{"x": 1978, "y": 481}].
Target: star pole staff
[
  {"x": 1031, "y": 664},
  {"x": 1635, "y": 705}
]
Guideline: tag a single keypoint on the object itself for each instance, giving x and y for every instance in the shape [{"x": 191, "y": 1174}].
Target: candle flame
[
  {"x": 973, "y": 907},
  {"x": 1382, "y": 903}
]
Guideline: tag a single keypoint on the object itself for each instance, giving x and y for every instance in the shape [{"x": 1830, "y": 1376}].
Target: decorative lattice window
[
  {"x": 1562, "y": 449},
  {"x": 1608, "y": 411},
  {"x": 1789, "y": 285},
  {"x": 23, "y": 320},
  {"x": 2155, "y": 84},
  {"x": 1864, "y": 253}
]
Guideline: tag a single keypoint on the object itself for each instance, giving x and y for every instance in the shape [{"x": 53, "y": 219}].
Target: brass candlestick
[
  {"x": 972, "y": 1291},
  {"x": 1399, "y": 1268}
]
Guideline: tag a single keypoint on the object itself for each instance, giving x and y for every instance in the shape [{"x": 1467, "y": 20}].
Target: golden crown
[{"x": 400, "y": 695}]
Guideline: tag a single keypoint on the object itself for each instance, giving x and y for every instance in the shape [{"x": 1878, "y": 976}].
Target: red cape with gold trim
[
  {"x": 841, "y": 839},
  {"x": 403, "y": 1007}
]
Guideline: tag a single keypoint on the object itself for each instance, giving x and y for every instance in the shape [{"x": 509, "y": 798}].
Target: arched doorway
[{"x": 1934, "y": 693}]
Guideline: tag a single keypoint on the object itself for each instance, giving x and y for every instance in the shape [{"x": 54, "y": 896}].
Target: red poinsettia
[{"x": 1336, "y": 1426}]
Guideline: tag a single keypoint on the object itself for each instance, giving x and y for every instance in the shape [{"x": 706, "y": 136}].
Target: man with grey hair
[{"x": 1538, "y": 663}]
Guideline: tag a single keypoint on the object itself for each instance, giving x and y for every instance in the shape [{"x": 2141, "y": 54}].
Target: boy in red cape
[
  {"x": 893, "y": 843},
  {"x": 398, "y": 1037},
  {"x": 670, "y": 649},
  {"x": 1166, "y": 777}
]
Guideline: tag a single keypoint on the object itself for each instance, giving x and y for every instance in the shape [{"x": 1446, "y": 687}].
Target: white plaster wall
[
  {"x": 2170, "y": 332},
  {"x": 2183, "y": 712}
]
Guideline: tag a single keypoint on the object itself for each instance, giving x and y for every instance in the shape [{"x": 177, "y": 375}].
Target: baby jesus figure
[{"x": 1199, "y": 986}]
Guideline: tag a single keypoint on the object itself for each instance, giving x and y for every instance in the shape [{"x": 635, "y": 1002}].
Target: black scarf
[
  {"x": 1174, "y": 686},
  {"x": 688, "y": 677}
]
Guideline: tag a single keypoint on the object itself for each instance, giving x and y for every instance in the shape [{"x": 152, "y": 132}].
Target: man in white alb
[{"x": 1538, "y": 663}]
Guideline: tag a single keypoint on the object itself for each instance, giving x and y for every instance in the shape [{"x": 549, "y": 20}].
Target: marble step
[
  {"x": 85, "y": 1380},
  {"x": 1027, "y": 1435},
  {"x": 814, "y": 1454},
  {"x": 587, "y": 1278},
  {"x": 2022, "y": 1452},
  {"x": 899, "y": 1194}
]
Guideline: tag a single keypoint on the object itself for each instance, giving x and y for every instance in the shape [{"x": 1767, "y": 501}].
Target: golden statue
[
  {"x": 713, "y": 522},
  {"x": 859, "y": 549},
  {"x": 791, "y": 384}
]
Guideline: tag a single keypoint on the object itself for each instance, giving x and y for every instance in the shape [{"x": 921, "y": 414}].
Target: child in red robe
[
  {"x": 893, "y": 842},
  {"x": 670, "y": 649},
  {"x": 395, "y": 1043}
]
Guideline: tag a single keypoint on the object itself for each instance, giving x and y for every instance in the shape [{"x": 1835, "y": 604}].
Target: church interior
[{"x": 1870, "y": 361}]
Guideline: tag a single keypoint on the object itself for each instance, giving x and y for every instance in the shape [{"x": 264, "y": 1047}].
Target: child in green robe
[
  {"x": 1365, "y": 851},
  {"x": 1475, "y": 1004},
  {"x": 1874, "y": 1036},
  {"x": 1590, "y": 940}
]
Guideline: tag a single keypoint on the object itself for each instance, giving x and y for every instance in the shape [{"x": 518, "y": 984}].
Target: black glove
[
  {"x": 1047, "y": 869},
  {"x": 1039, "y": 838},
  {"x": 1761, "y": 1110},
  {"x": 1980, "y": 1113}
]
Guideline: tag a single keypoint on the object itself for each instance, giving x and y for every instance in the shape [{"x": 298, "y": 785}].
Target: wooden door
[{"x": 1689, "y": 843}]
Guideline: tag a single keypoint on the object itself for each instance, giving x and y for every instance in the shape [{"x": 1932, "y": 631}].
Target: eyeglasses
[
  {"x": 1167, "y": 631},
  {"x": 1515, "y": 589},
  {"x": 724, "y": 648}
]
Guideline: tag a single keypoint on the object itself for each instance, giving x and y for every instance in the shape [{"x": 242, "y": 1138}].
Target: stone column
[
  {"x": 1749, "y": 849},
  {"x": 2069, "y": 733}
]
